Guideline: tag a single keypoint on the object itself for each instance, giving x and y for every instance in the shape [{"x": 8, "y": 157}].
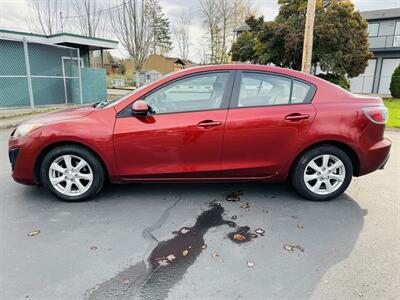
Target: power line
[{"x": 102, "y": 11}]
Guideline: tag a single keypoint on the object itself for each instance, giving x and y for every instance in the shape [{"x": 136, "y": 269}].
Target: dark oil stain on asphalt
[{"x": 167, "y": 262}]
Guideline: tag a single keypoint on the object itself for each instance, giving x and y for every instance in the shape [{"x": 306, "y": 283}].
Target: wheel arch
[
  {"x": 48, "y": 148},
  {"x": 341, "y": 145}
]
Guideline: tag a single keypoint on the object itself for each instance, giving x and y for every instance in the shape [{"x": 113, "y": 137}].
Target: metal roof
[{"x": 61, "y": 39}]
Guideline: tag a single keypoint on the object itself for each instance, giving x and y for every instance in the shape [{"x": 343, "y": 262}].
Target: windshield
[{"x": 122, "y": 98}]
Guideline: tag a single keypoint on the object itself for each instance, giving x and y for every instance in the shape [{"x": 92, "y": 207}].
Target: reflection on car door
[
  {"x": 183, "y": 136},
  {"x": 268, "y": 117}
]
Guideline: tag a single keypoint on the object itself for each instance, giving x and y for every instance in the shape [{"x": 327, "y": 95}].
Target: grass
[{"x": 393, "y": 106}]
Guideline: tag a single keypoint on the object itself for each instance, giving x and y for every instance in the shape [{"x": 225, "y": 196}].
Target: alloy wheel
[
  {"x": 324, "y": 174},
  {"x": 70, "y": 175}
]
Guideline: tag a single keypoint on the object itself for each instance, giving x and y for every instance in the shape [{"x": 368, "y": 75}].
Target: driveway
[{"x": 156, "y": 241}]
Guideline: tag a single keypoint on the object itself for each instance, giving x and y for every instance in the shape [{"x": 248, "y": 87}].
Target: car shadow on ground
[{"x": 322, "y": 233}]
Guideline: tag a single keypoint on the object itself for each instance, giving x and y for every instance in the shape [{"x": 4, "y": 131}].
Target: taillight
[{"x": 378, "y": 114}]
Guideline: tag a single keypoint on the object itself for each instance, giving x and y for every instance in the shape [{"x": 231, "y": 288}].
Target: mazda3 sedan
[{"x": 213, "y": 123}]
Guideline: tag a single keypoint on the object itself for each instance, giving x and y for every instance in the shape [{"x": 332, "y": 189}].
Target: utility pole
[{"x": 308, "y": 37}]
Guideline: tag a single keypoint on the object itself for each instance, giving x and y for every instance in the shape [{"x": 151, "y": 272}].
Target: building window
[
  {"x": 373, "y": 29},
  {"x": 396, "y": 38}
]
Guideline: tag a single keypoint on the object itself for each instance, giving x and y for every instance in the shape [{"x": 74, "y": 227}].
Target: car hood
[{"x": 65, "y": 114}]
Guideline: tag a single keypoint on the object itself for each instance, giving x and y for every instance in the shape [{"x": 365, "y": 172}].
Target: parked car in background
[{"x": 211, "y": 123}]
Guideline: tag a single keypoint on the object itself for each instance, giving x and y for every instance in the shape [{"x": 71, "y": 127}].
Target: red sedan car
[{"x": 212, "y": 123}]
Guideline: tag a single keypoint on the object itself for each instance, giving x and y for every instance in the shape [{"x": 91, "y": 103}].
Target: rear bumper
[{"x": 375, "y": 157}]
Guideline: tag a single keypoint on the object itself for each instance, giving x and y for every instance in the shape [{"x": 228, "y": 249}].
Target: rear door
[{"x": 269, "y": 115}]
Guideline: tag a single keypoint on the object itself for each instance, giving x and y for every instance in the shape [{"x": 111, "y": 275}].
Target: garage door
[
  {"x": 388, "y": 67},
  {"x": 363, "y": 83}
]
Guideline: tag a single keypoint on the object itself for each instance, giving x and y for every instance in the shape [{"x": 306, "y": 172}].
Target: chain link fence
[{"x": 33, "y": 73}]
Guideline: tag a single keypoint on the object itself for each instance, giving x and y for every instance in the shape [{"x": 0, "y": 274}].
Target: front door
[
  {"x": 182, "y": 137},
  {"x": 268, "y": 117}
]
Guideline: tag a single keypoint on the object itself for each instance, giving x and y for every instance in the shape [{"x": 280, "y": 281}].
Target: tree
[
  {"x": 221, "y": 17},
  {"x": 340, "y": 38},
  {"x": 89, "y": 16},
  {"x": 395, "y": 83},
  {"x": 209, "y": 12},
  {"x": 161, "y": 39},
  {"x": 46, "y": 18},
  {"x": 181, "y": 33},
  {"x": 133, "y": 30}
]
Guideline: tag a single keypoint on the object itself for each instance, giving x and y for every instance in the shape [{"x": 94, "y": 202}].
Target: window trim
[
  {"x": 126, "y": 112},
  {"x": 236, "y": 90},
  {"x": 377, "y": 32}
]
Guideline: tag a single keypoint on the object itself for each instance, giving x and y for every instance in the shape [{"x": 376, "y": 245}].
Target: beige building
[{"x": 165, "y": 65}]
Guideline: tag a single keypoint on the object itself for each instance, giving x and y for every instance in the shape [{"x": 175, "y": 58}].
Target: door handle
[
  {"x": 209, "y": 124},
  {"x": 296, "y": 117}
]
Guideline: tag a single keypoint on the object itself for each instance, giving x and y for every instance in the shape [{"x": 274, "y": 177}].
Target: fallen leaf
[
  {"x": 234, "y": 196},
  {"x": 34, "y": 232},
  {"x": 300, "y": 226},
  {"x": 234, "y": 217},
  {"x": 163, "y": 262},
  {"x": 204, "y": 246},
  {"x": 251, "y": 264},
  {"x": 125, "y": 281},
  {"x": 230, "y": 223},
  {"x": 93, "y": 248},
  {"x": 259, "y": 231},
  {"x": 288, "y": 247},
  {"x": 245, "y": 205},
  {"x": 239, "y": 237},
  {"x": 253, "y": 235},
  {"x": 171, "y": 257},
  {"x": 185, "y": 252},
  {"x": 292, "y": 247},
  {"x": 185, "y": 230}
]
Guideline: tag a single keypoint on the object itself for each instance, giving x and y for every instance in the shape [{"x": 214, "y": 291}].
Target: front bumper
[{"x": 23, "y": 153}]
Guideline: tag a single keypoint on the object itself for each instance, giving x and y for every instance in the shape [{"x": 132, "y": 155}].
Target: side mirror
[{"x": 140, "y": 108}]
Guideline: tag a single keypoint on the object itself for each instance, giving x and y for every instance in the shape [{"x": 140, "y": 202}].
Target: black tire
[
  {"x": 297, "y": 174},
  {"x": 88, "y": 156}
]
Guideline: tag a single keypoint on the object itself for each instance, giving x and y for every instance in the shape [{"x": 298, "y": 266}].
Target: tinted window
[
  {"x": 299, "y": 92},
  {"x": 263, "y": 90},
  {"x": 199, "y": 92}
]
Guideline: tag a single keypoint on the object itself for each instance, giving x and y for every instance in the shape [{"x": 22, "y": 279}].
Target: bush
[
  {"x": 340, "y": 80},
  {"x": 395, "y": 83}
]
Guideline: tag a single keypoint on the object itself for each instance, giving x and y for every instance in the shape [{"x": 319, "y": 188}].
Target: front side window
[
  {"x": 196, "y": 93},
  {"x": 373, "y": 29},
  {"x": 263, "y": 90}
]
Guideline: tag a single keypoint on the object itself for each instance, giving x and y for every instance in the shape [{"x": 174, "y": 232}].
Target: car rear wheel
[
  {"x": 322, "y": 173},
  {"x": 72, "y": 173}
]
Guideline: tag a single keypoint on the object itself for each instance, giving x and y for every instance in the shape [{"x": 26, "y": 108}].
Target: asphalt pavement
[{"x": 156, "y": 241}]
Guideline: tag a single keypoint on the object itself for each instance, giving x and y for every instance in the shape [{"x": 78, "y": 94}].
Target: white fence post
[
  {"x": 80, "y": 75},
  {"x": 28, "y": 74}
]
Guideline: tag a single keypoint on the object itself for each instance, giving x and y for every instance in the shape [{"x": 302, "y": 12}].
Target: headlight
[{"x": 24, "y": 129}]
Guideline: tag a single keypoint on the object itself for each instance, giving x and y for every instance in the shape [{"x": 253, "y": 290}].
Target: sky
[{"x": 14, "y": 15}]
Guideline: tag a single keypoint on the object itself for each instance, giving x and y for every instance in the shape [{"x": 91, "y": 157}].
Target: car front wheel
[
  {"x": 72, "y": 173},
  {"x": 322, "y": 173}
]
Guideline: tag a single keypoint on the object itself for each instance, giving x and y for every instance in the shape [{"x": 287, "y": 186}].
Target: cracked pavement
[{"x": 351, "y": 244}]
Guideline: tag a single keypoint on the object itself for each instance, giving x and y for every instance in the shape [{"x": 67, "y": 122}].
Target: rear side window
[
  {"x": 258, "y": 89},
  {"x": 263, "y": 90},
  {"x": 300, "y": 91}
]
